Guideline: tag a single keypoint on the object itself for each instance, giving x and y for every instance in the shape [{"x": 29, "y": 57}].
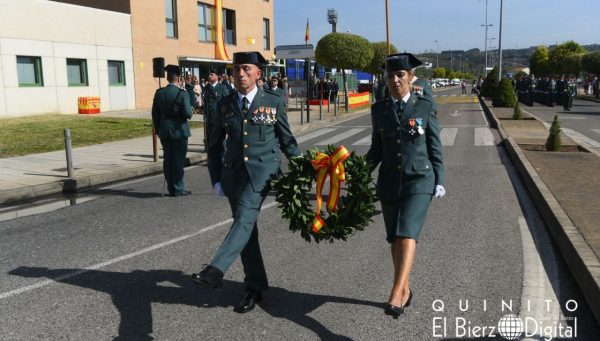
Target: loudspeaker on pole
[{"x": 158, "y": 67}]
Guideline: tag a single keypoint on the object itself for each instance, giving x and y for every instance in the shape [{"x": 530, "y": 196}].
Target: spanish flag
[{"x": 307, "y": 35}]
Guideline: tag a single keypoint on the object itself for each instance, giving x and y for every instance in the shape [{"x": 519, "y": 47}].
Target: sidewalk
[
  {"x": 32, "y": 176},
  {"x": 565, "y": 187}
]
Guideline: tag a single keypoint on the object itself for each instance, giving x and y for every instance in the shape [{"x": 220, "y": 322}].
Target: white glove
[
  {"x": 219, "y": 190},
  {"x": 440, "y": 191}
]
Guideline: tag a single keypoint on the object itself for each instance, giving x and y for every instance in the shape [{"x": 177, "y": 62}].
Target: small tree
[
  {"x": 344, "y": 51},
  {"x": 379, "y": 54},
  {"x": 504, "y": 95},
  {"x": 490, "y": 84},
  {"x": 553, "y": 142},
  {"x": 591, "y": 62},
  {"x": 539, "y": 63},
  {"x": 517, "y": 114}
]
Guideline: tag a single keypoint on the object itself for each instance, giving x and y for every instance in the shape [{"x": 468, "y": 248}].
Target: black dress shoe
[
  {"x": 248, "y": 302},
  {"x": 210, "y": 277},
  {"x": 394, "y": 311},
  {"x": 184, "y": 193}
]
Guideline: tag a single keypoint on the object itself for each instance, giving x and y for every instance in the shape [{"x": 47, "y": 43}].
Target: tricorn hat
[
  {"x": 173, "y": 69},
  {"x": 401, "y": 61},
  {"x": 251, "y": 57},
  {"x": 212, "y": 70}
]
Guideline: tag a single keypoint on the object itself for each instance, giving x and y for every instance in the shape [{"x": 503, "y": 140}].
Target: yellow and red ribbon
[{"x": 333, "y": 166}]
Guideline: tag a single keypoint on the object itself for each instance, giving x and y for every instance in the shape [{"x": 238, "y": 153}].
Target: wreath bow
[{"x": 333, "y": 166}]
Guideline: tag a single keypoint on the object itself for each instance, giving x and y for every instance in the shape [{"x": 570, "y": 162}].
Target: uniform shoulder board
[
  {"x": 233, "y": 93},
  {"x": 272, "y": 92}
]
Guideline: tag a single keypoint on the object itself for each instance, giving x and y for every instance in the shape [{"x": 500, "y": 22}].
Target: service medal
[
  {"x": 420, "y": 130},
  {"x": 411, "y": 125}
]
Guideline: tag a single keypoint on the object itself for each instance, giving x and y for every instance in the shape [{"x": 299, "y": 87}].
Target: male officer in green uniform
[
  {"x": 171, "y": 111},
  {"x": 570, "y": 92},
  {"x": 253, "y": 123},
  {"x": 212, "y": 93},
  {"x": 406, "y": 142}
]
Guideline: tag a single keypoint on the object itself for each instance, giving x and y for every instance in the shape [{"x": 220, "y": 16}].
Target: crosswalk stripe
[
  {"x": 365, "y": 141},
  {"x": 312, "y": 135},
  {"x": 448, "y": 136},
  {"x": 484, "y": 137},
  {"x": 339, "y": 137},
  {"x": 575, "y": 135}
]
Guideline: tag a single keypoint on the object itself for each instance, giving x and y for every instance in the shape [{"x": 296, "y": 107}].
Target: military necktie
[
  {"x": 400, "y": 106},
  {"x": 245, "y": 105}
]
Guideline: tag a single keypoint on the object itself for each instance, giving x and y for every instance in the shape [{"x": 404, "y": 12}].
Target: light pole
[
  {"x": 500, "y": 46},
  {"x": 437, "y": 54},
  {"x": 451, "y": 69},
  {"x": 387, "y": 27},
  {"x": 486, "y": 37},
  {"x": 489, "y": 50}
]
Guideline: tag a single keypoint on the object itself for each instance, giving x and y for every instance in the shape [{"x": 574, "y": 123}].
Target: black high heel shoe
[{"x": 394, "y": 311}]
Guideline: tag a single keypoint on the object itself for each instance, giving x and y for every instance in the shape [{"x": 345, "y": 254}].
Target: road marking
[
  {"x": 463, "y": 126},
  {"x": 155, "y": 247},
  {"x": 596, "y": 130},
  {"x": 365, "y": 141},
  {"x": 456, "y": 113},
  {"x": 484, "y": 137},
  {"x": 339, "y": 137},
  {"x": 448, "y": 136},
  {"x": 580, "y": 138},
  {"x": 562, "y": 118},
  {"x": 314, "y": 134},
  {"x": 538, "y": 279},
  {"x": 483, "y": 114}
]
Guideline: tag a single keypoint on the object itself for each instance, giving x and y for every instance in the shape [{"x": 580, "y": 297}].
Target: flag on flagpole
[{"x": 307, "y": 35}]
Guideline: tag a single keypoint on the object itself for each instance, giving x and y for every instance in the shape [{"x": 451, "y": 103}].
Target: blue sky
[{"x": 456, "y": 24}]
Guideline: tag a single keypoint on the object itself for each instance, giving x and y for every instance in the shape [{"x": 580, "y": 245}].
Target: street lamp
[
  {"x": 332, "y": 19},
  {"x": 500, "y": 46},
  {"x": 437, "y": 54},
  {"x": 486, "y": 35}
]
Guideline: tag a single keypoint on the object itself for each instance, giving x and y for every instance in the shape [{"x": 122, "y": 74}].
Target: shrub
[
  {"x": 504, "y": 95},
  {"x": 490, "y": 83},
  {"x": 553, "y": 142},
  {"x": 518, "y": 114}
]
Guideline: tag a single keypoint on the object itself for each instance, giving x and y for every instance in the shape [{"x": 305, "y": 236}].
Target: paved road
[
  {"x": 582, "y": 122},
  {"x": 118, "y": 265}
]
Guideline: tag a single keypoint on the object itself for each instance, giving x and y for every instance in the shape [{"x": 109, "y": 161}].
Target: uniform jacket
[
  {"x": 410, "y": 164},
  {"x": 170, "y": 113},
  {"x": 252, "y": 143},
  {"x": 210, "y": 98}
]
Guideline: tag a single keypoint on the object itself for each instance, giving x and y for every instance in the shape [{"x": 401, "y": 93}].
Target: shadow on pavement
[{"x": 133, "y": 294}]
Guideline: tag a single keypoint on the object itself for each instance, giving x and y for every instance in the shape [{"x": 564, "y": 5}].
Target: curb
[
  {"x": 581, "y": 259},
  {"x": 82, "y": 183}
]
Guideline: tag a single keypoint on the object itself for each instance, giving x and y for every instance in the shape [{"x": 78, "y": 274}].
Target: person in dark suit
[
  {"x": 171, "y": 111},
  {"x": 254, "y": 126},
  {"x": 406, "y": 145},
  {"x": 212, "y": 93}
]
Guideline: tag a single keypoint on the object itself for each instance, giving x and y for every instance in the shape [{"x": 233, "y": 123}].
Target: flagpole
[{"x": 387, "y": 27}]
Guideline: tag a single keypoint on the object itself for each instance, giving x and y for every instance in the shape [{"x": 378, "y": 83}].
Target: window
[
  {"x": 29, "y": 70},
  {"x": 229, "y": 26},
  {"x": 206, "y": 23},
  {"x": 266, "y": 34},
  {"x": 116, "y": 73},
  {"x": 171, "y": 18},
  {"x": 77, "y": 72}
]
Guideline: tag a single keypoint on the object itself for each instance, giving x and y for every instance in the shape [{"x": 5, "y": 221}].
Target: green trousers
[
  {"x": 174, "y": 152},
  {"x": 242, "y": 239}
]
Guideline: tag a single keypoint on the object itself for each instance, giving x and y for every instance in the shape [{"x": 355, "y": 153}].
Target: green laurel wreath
[{"x": 355, "y": 208}]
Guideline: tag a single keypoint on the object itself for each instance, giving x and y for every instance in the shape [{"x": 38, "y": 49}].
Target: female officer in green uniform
[{"x": 406, "y": 143}]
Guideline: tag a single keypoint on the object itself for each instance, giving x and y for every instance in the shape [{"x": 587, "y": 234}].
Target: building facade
[
  {"x": 189, "y": 33},
  {"x": 52, "y": 52}
]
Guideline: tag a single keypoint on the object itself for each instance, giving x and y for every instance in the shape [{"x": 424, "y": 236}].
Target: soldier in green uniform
[
  {"x": 275, "y": 87},
  {"x": 254, "y": 126},
  {"x": 171, "y": 111},
  {"x": 531, "y": 88},
  {"x": 570, "y": 92},
  {"x": 406, "y": 145},
  {"x": 212, "y": 93}
]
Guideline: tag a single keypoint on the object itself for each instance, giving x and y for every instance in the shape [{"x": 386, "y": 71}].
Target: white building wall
[{"x": 55, "y": 32}]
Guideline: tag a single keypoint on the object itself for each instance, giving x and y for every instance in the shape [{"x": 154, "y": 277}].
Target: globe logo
[{"x": 510, "y": 327}]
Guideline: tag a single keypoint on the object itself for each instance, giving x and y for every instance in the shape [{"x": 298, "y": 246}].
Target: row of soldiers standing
[{"x": 547, "y": 91}]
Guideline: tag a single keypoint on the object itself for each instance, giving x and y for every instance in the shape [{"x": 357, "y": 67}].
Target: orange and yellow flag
[{"x": 307, "y": 35}]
